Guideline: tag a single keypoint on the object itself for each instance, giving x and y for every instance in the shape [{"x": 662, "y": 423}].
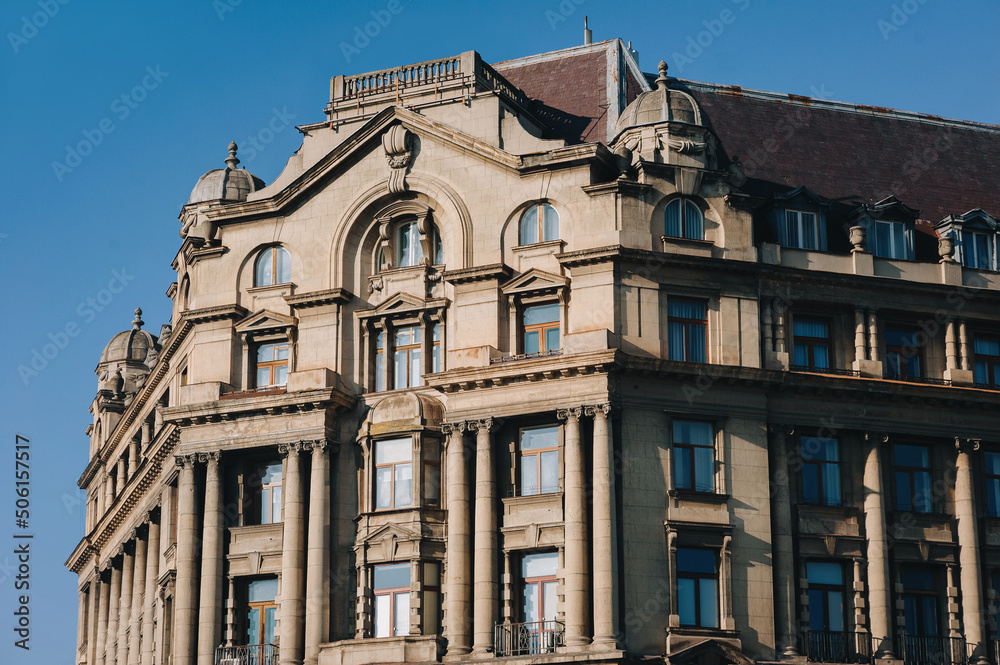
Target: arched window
[
  {"x": 539, "y": 223},
  {"x": 410, "y": 252},
  {"x": 683, "y": 219},
  {"x": 273, "y": 267}
]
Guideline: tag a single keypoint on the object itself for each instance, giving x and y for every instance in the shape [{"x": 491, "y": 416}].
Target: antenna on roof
[{"x": 588, "y": 36}]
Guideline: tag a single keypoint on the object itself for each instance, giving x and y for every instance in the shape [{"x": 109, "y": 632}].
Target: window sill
[
  {"x": 695, "y": 495},
  {"x": 546, "y": 244},
  {"x": 277, "y": 288},
  {"x": 694, "y": 242}
]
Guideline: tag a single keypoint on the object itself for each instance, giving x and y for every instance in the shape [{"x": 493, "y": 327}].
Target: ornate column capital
[
  {"x": 482, "y": 425},
  {"x": 593, "y": 409},
  {"x": 967, "y": 446},
  {"x": 574, "y": 413},
  {"x": 458, "y": 427},
  {"x": 292, "y": 448},
  {"x": 779, "y": 428},
  {"x": 877, "y": 438},
  {"x": 317, "y": 445},
  {"x": 211, "y": 457},
  {"x": 188, "y": 460}
]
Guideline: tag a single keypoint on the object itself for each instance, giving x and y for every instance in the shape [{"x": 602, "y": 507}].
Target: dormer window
[
  {"x": 978, "y": 250},
  {"x": 889, "y": 226},
  {"x": 539, "y": 223},
  {"x": 974, "y": 234},
  {"x": 683, "y": 219},
  {"x": 804, "y": 230},
  {"x": 889, "y": 240},
  {"x": 273, "y": 266}
]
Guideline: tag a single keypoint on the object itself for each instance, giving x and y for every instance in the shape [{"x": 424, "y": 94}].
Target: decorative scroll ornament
[
  {"x": 683, "y": 146},
  {"x": 398, "y": 145}
]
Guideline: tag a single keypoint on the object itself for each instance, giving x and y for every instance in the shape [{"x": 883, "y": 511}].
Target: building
[{"x": 556, "y": 361}]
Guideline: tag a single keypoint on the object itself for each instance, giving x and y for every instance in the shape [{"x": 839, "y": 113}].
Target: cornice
[
  {"x": 239, "y": 407},
  {"x": 218, "y": 313},
  {"x": 619, "y": 186},
  {"x": 316, "y": 298},
  {"x": 497, "y": 271},
  {"x": 529, "y": 369}
]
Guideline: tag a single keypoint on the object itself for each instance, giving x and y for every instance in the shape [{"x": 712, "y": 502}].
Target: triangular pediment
[
  {"x": 802, "y": 195},
  {"x": 533, "y": 281},
  {"x": 265, "y": 321},
  {"x": 390, "y": 531},
  {"x": 710, "y": 652},
  {"x": 974, "y": 219},
  {"x": 399, "y": 302},
  {"x": 888, "y": 208}
]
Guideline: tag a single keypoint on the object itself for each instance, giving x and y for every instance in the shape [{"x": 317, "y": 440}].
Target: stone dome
[
  {"x": 228, "y": 184},
  {"x": 404, "y": 410},
  {"x": 131, "y": 345},
  {"x": 660, "y": 105}
]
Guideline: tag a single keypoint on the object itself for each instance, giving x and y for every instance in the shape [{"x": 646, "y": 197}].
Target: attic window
[
  {"x": 539, "y": 223},
  {"x": 803, "y": 229},
  {"x": 272, "y": 267},
  {"x": 683, "y": 219},
  {"x": 978, "y": 250}
]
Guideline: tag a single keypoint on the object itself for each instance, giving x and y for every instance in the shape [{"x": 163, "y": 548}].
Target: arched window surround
[
  {"x": 272, "y": 267},
  {"x": 537, "y": 224},
  {"x": 408, "y": 237}
]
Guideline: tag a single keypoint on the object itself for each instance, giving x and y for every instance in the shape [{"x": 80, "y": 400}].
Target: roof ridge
[{"x": 832, "y": 105}]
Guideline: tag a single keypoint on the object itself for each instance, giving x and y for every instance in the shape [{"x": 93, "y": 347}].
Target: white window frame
[
  {"x": 796, "y": 217},
  {"x": 890, "y": 253}
]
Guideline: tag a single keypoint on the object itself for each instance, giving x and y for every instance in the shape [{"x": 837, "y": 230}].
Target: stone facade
[{"x": 484, "y": 375}]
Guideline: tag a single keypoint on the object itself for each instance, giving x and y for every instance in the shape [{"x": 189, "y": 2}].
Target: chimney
[{"x": 588, "y": 36}]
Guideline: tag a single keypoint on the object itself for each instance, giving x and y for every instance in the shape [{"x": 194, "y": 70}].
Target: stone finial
[
  {"x": 137, "y": 321},
  {"x": 661, "y": 80},
  {"x": 857, "y": 236},
  {"x": 946, "y": 249},
  {"x": 232, "y": 160}
]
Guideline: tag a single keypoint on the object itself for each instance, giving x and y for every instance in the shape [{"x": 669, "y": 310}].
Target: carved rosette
[{"x": 397, "y": 143}]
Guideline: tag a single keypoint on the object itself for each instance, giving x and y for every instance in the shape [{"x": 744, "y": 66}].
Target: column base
[{"x": 605, "y": 644}]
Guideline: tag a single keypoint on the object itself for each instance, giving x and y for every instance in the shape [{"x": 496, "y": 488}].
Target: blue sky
[{"x": 154, "y": 92}]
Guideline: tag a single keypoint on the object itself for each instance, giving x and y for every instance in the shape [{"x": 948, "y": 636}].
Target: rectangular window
[
  {"x": 812, "y": 343},
  {"x": 539, "y": 595},
  {"x": 540, "y": 324},
  {"x": 803, "y": 230},
  {"x": 436, "y": 348},
  {"x": 687, "y": 326},
  {"x": 992, "y": 460},
  {"x": 380, "y": 362},
  {"x": 539, "y": 460},
  {"x": 393, "y": 474},
  {"x": 272, "y": 364},
  {"x": 262, "y": 611},
  {"x": 694, "y": 456},
  {"x": 920, "y": 601},
  {"x": 406, "y": 370},
  {"x": 987, "y": 360},
  {"x": 913, "y": 478},
  {"x": 432, "y": 483},
  {"x": 827, "y": 613},
  {"x": 392, "y": 599},
  {"x": 890, "y": 240},
  {"x": 902, "y": 354},
  {"x": 698, "y": 587},
  {"x": 977, "y": 250},
  {"x": 820, "y": 471}
]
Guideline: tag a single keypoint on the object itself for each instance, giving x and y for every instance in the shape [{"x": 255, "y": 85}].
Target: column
[
  {"x": 779, "y": 326},
  {"x": 125, "y": 607},
  {"x": 133, "y": 456},
  {"x": 113, "y": 607},
  {"x": 784, "y": 554},
  {"x": 109, "y": 496},
  {"x": 103, "y": 603},
  {"x": 768, "y": 325},
  {"x": 963, "y": 345},
  {"x": 459, "y": 543},
  {"x": 93, "y": 609},
  {"x": 968, "y": 551},
  {"x": 123, "y": 476},
  {"x": 873, "y": 335},
  {"x": 135, "y": 614},
  {"x": 860, "y": 605},
  {"x": 879, "y": 582},
  {"x": 606, "y": 610},
  {"x": 293, "y": 555},
  {"x": 149, "y": 597},
  {"x": 950, "y": 345},
  {"x": 485, "y": 540},
  {"x": 81, "y": 621},
  {"x": 210, "y": 614},
  {"x": 185, "y": 623},
  {"x": 860, "y": 351},
  {"x": 577, "y": 592},
  {"x": 318, "y": 553}
]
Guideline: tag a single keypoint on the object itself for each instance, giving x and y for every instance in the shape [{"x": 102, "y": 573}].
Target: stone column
[
  {"x": 123, "y": 476},
  {"x": 210, "y": 613},
  {"x": 293, "y": 555},
  {"x": 485, "y": 539},
  {"x": 113, "y": 608},
  {"x": 768, "y": 325},
  {"x": 133, "y": 456},
  {"x": 577, "y": 573},
  {"x": 103, "y": 603},
  {"x": 784, "y": 554},
  {"x": 318, "y": 553},
  {"x": 81, "y": 622},
  {"x": 963, "y": 345},
  {"x": 606, "y": 610},
  {"x": 879, "y": 582},
  {"x": 873, "y": 336},
  {"x": 860, "y": 615},
  {"x": 950, "y": 345},
  {"x": 93, "y": 609},
  {"x": 968, "y": 551},
  {"x": 185, "y": 623},
  {"x": 459, "y": 543},
  {"x": 779, "y": 325},
  {"x": 138, "y": 586},
  {"x": 109, "y": 494},
  {"x": 860, "y": 350},
  {"x": 149, "y": 597},
  {"x": 125, "y": 602}
]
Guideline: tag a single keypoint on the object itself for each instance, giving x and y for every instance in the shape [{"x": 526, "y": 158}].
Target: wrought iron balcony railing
[
  {"x": 932, "y": 650},
  {"x": 522, "y": 639},
  {"x": 247, "y": 654},
  {"x": 838, "y": 647}
]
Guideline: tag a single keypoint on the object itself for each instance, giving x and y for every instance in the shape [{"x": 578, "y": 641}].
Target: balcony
[
  {"x": 838, "y": 647},
  {"x": 248, "y": 654},
  {"x": 931, "y": 650},
  {"x": 525, "y": 639}
]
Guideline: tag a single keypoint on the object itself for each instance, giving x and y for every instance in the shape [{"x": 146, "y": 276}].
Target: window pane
[
  {"x": 815, "y": 448},
  {"x": 675, "y": 338},
  {"x": 801, "y": 354},
  {"x": 811, "y": 328},
  {"x": 529, "y": 226},
  {"x": 550, "y": 222},
  {"x": 552, "y": 339},
  {"x": 539, "y": 437},
  {"x": 550, "y": 471},
  {"x": 531, "y": 341},
  {"x": 404, "y": 485},
  {"x": 694, "y": 433},
  {"x": 917, "y": 456},
  {"x": 545, "y": 564},
  {"x": 284, "y": 266},
  {"x": 992, "y": 463},
  {"x": 416, "y": 376},
  {"x": 276, "y": 504},
  {"x": 393, "y": 450},
  {"x": 265, "y": 353},
  {"x": 263, "y": 377},
  {"x": 822, "y": 572},
  {"x": 270, "y": 624},
  {"x": 817, "y": 618},
  {"x": 693, "y": 226},
  {"x": 695, "y": 561},
  {"x": 399, "y": 370},
  {"x": 686, "y": 309},
  {"x": 791, "y": 228},
  {"x": 704, "y": 469},
  {"x": 541, "y": 314},
  {"x": 898, "y": 241},
  {"x": 432, "y": 483},
  {"x": 810, "y": 483},
  {"x": 986, "y": 346},
  {"x": 281, "y": 352},
  {"x": 682, "y": 469},
  {"x": 550, "y": 596},
  {"x": 922, "y": 499},
  {"x": 904, "y": 491},
  {"x": 262, "y": 274},
  {"x": 709, "y": 601},
  {"x": 392, "y": 576},
  {"x": 672, "y": 219},
  {"x": 253, "y": 626},
  {"x": 529, "y": 475},
  {"x": 383, "y": 487},
  {"x": 532, "y": 603},
  {"x": 831, "y": 484},
  {"x": 685, "y": 602},
  {"x": 993, "y": 498},
  {"x": 383, "y": 608},
  {"x": 402, "y": 613},
  {"x": 697, "y": 350},
  {"x": 262, "y": 590},
  {"x": 835, "y": 610},
  {"x": 281, "y": 375},
  {"x": 380, "y": 372},
  {"x": 810, "y": 238}
]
